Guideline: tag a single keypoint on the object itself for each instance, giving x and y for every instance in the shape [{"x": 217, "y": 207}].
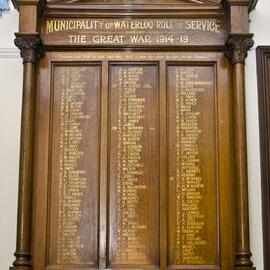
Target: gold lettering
[
  {"x": 189, "y": 185},
  {"x": 141, "y": 24},
  {"x": 164, "y": 24},
  {"x": 110, "y": 39},
  {"x": 58, "y": 25},
  {"x": 140, "y": 39},
  {"x": 49, "y": 27},
  {"x": 203, "y": 25},
  {"x": 71, "y": 25},
  {"x": 77, "y": 39},
  {"x": 130, "y": 167},
  {"x": 72, "y": 179},
  {"x": 63, "y": 25}
]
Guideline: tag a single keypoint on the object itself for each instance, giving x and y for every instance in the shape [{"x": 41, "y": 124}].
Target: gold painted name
[
  {"x": 203, "y": 25},
  {"x": 61, "y": 25},
  {"x": 130, "y": 39}
]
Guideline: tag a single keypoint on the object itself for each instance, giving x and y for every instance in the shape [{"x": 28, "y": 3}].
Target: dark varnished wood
[
  {"x": 88, "y": 162},
  {"x": 86, "y": 230},
  {"x": 147, "y": 202},
  {"x": 210, "y": 253},
  {"x": 237, "y": 47},
  {"x": 252, "y": 4},
  {"x": 225, "y": 227},
  {"x": 29, "y": 45}
]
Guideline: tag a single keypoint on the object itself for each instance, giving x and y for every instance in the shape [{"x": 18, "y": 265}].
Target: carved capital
[
  {"x": 29, "y": 45},
  {"x": 237, "y": 47}
]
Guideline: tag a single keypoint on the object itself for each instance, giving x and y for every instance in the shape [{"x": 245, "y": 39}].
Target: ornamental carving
[
  {"x": 30, "y": 47},
  {"x": 238, "y": 46}
]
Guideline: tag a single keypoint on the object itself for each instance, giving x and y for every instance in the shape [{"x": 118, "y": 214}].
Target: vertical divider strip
[
  {"x": 103, "y": 167},
  {"x": 163, "y": 163}
]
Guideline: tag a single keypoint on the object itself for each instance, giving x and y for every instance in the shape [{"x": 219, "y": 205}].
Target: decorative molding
[
  {"x": 252, "y": 4},
  {"x": 196, "y": 2},
  {"x": 9, "y": 53},
  {"x": 29, "y": 45},
  {"x": 16, "y": 3},
  {"x": 263, "y": 72},
  {"x": 237, "y": 47}
]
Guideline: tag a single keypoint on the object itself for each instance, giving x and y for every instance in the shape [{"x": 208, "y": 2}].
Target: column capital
[
  {"x": 237, "y": 47},
  {"x": 30, "y": 46}
]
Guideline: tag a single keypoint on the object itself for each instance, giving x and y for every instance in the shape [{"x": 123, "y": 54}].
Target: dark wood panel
[
  {"x": 133, "y": 31},
  {"x": 263, "y": 72},
  {"x": 150, "y": 108},
  {"x": 137, "y": 2},
  {"x": 74, "y": 185},
  {"x": 192, "y": 172},
  {"x": 140, "y": 177},
  {"x": 134, "y": 158}
]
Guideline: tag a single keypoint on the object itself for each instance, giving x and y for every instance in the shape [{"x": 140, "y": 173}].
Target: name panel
[
  {"x": 134, "y": 157},
  {"x": 192, "y": 177},
  {"x": 74, "y": 185},
  {"x": 135, "y": 32}
]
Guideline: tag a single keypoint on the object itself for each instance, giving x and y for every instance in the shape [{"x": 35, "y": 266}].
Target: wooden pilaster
[
  {"x": 237, "y": 47},
  {"x": 29, "y": 44}
]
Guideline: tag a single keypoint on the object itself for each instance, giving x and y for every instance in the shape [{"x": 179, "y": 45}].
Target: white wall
[
  {"x": 10, "y": 110},
  {"x": 10, "y": 106},
  {"x": 260, "y": 26}
]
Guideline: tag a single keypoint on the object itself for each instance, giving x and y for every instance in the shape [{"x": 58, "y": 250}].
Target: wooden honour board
[
  {"x": 133, "y": 164},
  {"x": 133, "y": 167}
]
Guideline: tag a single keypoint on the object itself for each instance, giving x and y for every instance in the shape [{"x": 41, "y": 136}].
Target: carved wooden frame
[
  {"x": 263, "y": 72},
  {"x": 238, "y": 43},
  {"x": 252, "y": 4}
]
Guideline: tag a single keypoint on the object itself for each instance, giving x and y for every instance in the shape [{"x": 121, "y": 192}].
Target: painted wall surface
[
  {"x": 10, "y": 113},
  {"x": 260, "y": 26},
  {"x": 10, "y": 110}
]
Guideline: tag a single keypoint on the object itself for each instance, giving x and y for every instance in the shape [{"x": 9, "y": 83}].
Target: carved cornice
[
  {"x": 17, "y": 3},
  {"x": 252, "y": 3},
  {"x": 29, "y": 45},
  {"x": 237, "y": 47}
]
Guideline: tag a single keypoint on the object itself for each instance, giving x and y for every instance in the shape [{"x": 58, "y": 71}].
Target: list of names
[
  {"x": 190, "y": 218},
  {"x": 130, "y": 166},
  {"x": 72, "y": 180}
]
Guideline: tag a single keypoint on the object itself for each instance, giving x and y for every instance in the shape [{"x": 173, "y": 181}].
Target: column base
[{"x": 20, "y": 268}]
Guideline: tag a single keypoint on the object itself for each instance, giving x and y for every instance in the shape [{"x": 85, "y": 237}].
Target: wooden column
[
  {"x": 237, "y": 48},
  {"x": 29, "y": 44}
]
